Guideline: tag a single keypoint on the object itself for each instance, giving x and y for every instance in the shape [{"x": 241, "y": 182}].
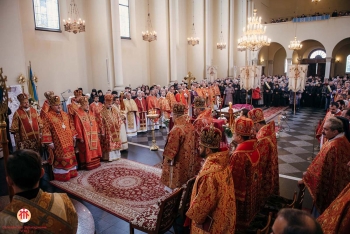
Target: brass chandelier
[
  {"x": 74, "y": 23},
  {"x": 193, "y": 40},
  {"x": 149, "y": 35},
  {"x": 295, "y": 44},
  {"x": 221, "y": 44},
  {"x": 253, "y": 38}
]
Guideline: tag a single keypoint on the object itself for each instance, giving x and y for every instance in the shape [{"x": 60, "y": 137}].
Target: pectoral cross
[{"x": 190, "y": 78}]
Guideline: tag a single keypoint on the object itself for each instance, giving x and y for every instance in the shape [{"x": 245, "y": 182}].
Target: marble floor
[{"x": 295, "y": 146}]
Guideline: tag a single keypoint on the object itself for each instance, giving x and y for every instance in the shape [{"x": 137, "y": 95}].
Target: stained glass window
[{"x": 46, "y": 15}]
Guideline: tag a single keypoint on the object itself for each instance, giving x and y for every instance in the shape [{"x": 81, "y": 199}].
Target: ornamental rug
[
  {"x": 272, "y": 112},
  {"x": 123, "y": 188}
]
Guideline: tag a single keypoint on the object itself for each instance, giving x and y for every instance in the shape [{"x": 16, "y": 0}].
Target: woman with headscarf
[{"x": 100, "y": 96}]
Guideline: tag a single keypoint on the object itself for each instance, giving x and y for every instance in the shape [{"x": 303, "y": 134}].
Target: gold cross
[{"x": 190, "y": 78}]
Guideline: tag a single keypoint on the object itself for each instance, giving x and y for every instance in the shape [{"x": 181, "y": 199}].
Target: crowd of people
[
  {"x": 334, "y": 14},
  {"x": 233, "y": 182}
]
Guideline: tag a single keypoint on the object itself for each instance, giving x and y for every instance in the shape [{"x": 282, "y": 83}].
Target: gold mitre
[{"x": 210, "y": 137}]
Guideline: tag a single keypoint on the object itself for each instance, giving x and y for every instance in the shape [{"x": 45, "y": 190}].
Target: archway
[
  {"x": 272, "y": 58},
  {"x": 340, "y": 55}
]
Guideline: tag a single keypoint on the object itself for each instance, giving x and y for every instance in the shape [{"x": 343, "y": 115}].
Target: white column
[
  {"x": 328, "y": 67},
  {"x": 231, "y": 45},
  {"x": 173, "y": 21},
  {"x": 208, "y": 35},
  {"x": 117, "y": 49},
  {"x": 255, "y": 61}
]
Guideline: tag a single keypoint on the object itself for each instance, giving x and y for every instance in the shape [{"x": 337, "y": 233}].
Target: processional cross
[{"x": 190, "y": 79}]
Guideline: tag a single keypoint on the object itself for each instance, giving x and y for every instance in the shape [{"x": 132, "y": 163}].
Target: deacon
[
  {"x": 87, "y": 136},
  {"x": 170, "y": 96},
  {"x": 110, "y": 123},
  {"x": 142, "y": 110},
  {"x": 245, "y": 167},
  {"x": 58, "y": 135},
  {"x": 267, "y": 147},
  {"x": 96, "y": 106},
  {"x": 131, "y": 115},
  {"x": 180, "y": 162},
  {"x": 213, "y": 192},
  {"x": 119, "y": 105},
  {"x": 164, "y": 108},
  {"x": 153, "y": 104},
  {"x": 26, "y": 125},
  {"x": 328, "y": 173}
]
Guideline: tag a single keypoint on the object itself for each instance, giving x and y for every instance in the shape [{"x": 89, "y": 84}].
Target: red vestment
[
  {"x": 214, "y": 195},
  {"x": 26, "y": 126},
  {"x": 204, "y": 119},
  {"x": 171, "y": 99},
  {"x": 245, "y": 168},
  {"x": 96, "y": 108},
  {"x": 164, "y": 107},
  {"x": 87, "y": 130},
  {"x": 267, "y": 147},
  {"x": 336, "y": 218},
  {"x": 142, "y": 109},
  {"x": 60, "y": 131},
  {"x": 328, "y": 173},
  {"x": 180, "y": 97},
  {"x": 44, "y": 109},
  {"x": 320, "y": 128},
  {"x": 180, "y": 147},
  {"x": 110, "y": 122}
]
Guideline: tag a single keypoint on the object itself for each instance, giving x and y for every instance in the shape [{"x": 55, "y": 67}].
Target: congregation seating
[{"x": 160, "y": 217}]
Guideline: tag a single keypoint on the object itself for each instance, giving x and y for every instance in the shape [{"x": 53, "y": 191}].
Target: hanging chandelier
[
  {"x": 221, "y": 44},
  {"x": 316, "y": 1},
  {"x": 74, "y": 23},
  {"x": 295, "y": 44},
  {"x": 193, "y": 40},
  {"x": 253, "y": 38},
  {"x": 150, "y": 35}
]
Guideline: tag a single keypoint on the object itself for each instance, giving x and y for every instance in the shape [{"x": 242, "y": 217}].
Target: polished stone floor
[{"x": 295, "y": 145}]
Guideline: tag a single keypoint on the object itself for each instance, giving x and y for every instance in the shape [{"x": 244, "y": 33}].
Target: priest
[
  {"x": 26, "y": 125},
  {"x": 245, "y": 167},
  {"x": 142, "y": 110},
  {"x": 131, "y": 115},
  {"x": 328, "y": 174},
  {"x": 267, "y": 147},
  {"x": 58, "y": 135},
  {"x": 213, "y": 192},
  {"x": 180, "y": 160},
  {"x": 87, "y": 136},
  {"x": 110, "y": 124}
]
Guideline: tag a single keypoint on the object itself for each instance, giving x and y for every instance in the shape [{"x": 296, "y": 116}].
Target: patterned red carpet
[
  {"x": 124, "y": 188},
  {"x": 272, "y": 112}
]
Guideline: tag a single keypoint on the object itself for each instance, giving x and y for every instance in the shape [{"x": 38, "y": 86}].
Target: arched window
[
  {"x": 46, "y": 15},
  {"x": 124, "y": 19},
  {"x": 317, "y": 54},
  {"x": 347, "y": 69}
]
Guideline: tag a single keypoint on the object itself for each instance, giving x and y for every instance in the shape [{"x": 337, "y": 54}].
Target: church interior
[{"x": 126, "y": 44}]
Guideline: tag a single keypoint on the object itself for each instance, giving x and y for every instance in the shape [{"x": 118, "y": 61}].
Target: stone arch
[
  {"x": 340, "y": 53},
  {"x": 309, "y": 45},
  {"x": 272, "y": 58}
]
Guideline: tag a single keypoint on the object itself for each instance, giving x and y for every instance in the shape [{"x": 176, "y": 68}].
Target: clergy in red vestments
[
  {"x": 267, "y": 147},
  {"x": 45, "y": 108},
  {"x": 58, "y": 134},
  {"x": 245, "y": 167},
  {"x": 96, "y": 106},
  {"x": 181, "y": 97},
  {"x": 142, "y": 110},
  {"x": 74, "y": 106},
  {"x": 153, "y": 104},
  {"x": 333, "y": 111},
  {"x": 213, "y": 192},
  {"x": 26, "y": 125},
  {"x": 336, "y": 218},
  {"x": 110, "y": 123},
  {"x": 328, "y": 174},
  {"x": 171, "y": 97},
  {"x": 204, "y": 117},
  {"x": 87, "y": 138},
  {"x": 180, "y": 161}
]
